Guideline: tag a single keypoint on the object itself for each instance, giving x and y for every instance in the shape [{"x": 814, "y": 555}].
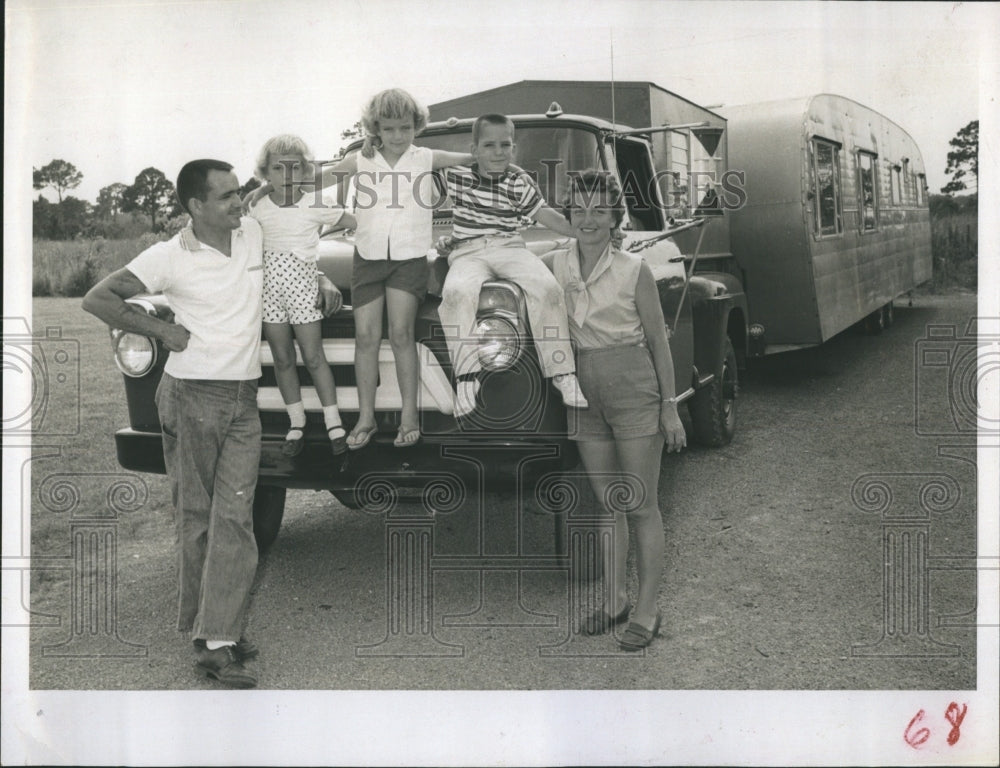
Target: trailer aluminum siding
[{"x": 805, "y": 287}]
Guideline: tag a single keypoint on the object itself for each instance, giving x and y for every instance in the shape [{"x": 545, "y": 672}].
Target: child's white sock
[
  {"x": 331, "y": 416},
  {"x": 296, "y": 414},
  {"x": 214, "y": 645}
]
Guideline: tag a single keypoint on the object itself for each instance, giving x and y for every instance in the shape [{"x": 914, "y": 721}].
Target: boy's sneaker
[
  {"x": 465, "y": 397},
  {"x": 569, "y": 386}
]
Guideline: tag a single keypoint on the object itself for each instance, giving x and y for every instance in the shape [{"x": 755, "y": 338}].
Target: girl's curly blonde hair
[{"x": 392, "y": 104}]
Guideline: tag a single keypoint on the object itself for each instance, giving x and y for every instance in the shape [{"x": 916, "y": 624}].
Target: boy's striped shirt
[{"x": 490, "y": 206}]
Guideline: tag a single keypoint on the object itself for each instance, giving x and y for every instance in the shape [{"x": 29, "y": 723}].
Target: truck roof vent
[{"x": 554, "y": 110}]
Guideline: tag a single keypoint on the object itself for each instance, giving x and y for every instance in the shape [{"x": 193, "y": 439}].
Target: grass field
[
  {"x": 74, "y": 469},
  {"x": 71, "y": 267}
]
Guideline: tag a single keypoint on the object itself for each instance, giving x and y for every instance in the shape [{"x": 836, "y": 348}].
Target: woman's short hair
[
  {"x": 599, "y": 185},
  {"x": 392, "y": 104},
  {"x": 282, "y": 144}
]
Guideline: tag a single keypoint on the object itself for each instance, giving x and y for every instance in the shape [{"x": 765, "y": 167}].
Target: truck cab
[{"x": 519, "y": 430}]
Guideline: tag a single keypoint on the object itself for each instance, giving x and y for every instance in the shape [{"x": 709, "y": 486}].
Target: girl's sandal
[
  {"x": 636, "y": 637},
  {"x": 359, "y": 438},
  {"x": 294, "y": 442},
  {"x": 338, "y": 439},
  {"x": 406, "y": 438}
]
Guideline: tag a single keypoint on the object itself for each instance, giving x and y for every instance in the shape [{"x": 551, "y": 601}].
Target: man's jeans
[
  {"x": 486, "y": 258},
  {"x": 211, "y": 445}
]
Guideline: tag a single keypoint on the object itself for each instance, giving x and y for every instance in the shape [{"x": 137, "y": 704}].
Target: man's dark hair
[
  {"x": 493, "y": 118},
  {"x": 192, "y": 181}
]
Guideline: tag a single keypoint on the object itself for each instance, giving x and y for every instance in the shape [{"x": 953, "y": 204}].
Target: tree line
[{"x": 151, "y": 197}]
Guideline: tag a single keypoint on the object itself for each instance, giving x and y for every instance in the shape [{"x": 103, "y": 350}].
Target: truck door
[{"x": 633, "y": 162}]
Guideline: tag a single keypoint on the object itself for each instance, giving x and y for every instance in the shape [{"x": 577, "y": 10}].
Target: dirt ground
[{"x": 773, "y": 578}]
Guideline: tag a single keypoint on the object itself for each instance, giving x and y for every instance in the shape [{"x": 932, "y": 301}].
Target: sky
[{"x": 115, "y": 87}]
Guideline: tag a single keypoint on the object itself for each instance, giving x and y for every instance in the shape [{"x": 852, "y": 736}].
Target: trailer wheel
[
  {"x": 888, "y": 315},
  {"x": 268, "y": 511},
  {"x": 875, "y": 322},
  {"x": 713, "y": 408}
]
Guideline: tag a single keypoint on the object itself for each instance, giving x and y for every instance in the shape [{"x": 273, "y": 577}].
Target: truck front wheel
[
  {"x": 713, "y": 407},
  {"x": 268, "y": 510}
]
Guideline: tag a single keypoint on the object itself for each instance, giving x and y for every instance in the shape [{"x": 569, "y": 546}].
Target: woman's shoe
[
  {"x": 600, "y": 621},
  {"x": 636, "y": 637}
]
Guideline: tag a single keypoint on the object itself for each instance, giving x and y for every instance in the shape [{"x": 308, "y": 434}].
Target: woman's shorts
[
  {"x": 369, "y": 279},
  {"x": 290, "y": 289},
  {"x": 623, "y": 393}
]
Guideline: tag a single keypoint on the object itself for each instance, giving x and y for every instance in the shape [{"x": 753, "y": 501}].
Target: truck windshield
[{"x": 548, "y": 153}]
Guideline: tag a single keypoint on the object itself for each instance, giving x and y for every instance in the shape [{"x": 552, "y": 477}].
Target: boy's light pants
[{"x": 490, "y": 258}]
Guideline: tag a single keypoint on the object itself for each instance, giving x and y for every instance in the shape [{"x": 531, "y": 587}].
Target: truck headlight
[
  {"x": 135, "y": 354},
  {"x": 499, "y": 343}
]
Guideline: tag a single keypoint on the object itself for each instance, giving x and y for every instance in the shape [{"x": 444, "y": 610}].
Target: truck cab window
[
  {"x": 827, "y": 208},
  {"x": 868, "y": 203},
  {"x": 635, "y": 171}
]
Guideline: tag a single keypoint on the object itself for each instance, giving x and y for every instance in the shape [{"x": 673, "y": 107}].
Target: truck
[{"x": 681, "y": 196}]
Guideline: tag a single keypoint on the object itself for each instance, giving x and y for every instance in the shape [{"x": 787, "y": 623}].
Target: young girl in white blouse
[{"x": 291, "y": 221}]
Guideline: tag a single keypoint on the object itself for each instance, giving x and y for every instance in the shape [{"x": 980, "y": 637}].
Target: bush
[
  {"x": 72, "y": 267},
  {"x": 954, "y": 242}
]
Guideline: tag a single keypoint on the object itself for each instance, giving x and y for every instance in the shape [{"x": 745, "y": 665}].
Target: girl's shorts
[
  {"x": 369, "y": 279},
  {"x": 623, "y": 393},
  {"x": 290, "y": 289}
]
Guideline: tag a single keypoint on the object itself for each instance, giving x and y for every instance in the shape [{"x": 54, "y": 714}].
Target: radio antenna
[{"x": 614, "y": 123}]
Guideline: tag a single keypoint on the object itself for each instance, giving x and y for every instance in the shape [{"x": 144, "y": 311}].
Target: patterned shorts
[{"x": 290, "y": 289}]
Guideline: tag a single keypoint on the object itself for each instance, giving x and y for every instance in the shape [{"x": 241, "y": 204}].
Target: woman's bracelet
[{"x": 671, "y": 400}]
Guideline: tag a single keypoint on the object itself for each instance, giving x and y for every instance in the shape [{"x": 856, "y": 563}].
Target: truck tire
[
  {"x": 268, "y": 510},
  {"x": 713, "y": 407}
]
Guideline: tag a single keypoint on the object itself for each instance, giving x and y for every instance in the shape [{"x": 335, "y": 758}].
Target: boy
[{"x": 490, "y": 197}]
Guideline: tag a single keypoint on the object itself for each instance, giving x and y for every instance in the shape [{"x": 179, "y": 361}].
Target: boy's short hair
[
  {"x": 393, "y": 104},
  {"x": 601, "y": 185},
  {"x": 492, "y": 118},
  {"x": 192, "y": 181},
  {"x": 282, "y": 144}
]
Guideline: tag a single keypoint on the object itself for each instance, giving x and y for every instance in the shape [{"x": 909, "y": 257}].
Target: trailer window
[
  {"x": 678, "y": 199},
  {"x": 868, "y": 191},
  {"x": 921, "y": 180},
  {"x": 827, "y": 218},
  {"x": 897, "y": 185}
]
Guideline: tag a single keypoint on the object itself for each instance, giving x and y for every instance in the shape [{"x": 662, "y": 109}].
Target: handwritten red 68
[{"x": 917, "y": 737}]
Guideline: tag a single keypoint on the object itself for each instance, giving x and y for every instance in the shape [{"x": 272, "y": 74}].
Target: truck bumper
[{"x": 489, "y": 461}]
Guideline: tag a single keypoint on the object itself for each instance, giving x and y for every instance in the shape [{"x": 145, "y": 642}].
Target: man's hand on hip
[{"x": 175, "y": 337}]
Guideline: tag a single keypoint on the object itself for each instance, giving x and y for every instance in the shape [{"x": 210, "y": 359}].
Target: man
[{"x": 212, "y": 274}]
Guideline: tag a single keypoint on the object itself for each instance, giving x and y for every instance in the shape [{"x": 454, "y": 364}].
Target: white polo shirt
[
  {"x": 393, "y": 206},
  {"x": 216, "y": 297}
]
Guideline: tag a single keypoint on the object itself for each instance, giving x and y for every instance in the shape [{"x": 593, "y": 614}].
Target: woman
[{"x": 617, "y": 326}]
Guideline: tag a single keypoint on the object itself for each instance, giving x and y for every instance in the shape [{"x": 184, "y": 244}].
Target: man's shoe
[
  {"x": 569, "y": 386},
  {"x": 245, "y": 649},
  {"x": 223, "y": 665}
]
